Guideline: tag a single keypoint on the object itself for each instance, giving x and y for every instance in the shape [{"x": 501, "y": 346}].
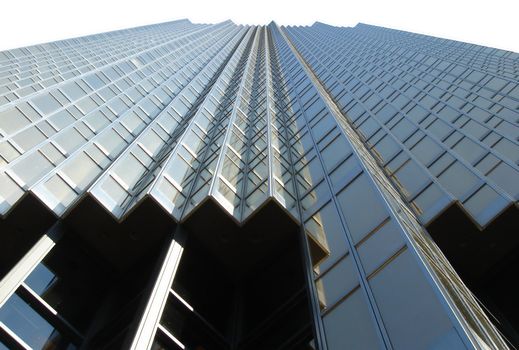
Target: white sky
[{"x": 492, "y": 23}]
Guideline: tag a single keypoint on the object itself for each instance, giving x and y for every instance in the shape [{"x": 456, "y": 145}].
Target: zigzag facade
[{"x": 219, "y": 186}]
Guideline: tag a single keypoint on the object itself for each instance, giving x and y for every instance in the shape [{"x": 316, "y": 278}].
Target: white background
[{"x": 494, "y": 23}]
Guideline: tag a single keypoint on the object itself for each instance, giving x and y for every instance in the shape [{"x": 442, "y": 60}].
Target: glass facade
[{"x": 220, "y": 186}]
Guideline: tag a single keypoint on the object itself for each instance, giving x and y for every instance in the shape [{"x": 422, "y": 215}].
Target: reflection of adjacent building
[{"x": 196, "y": 186}]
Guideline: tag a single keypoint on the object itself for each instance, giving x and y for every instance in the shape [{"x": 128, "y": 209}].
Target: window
[
  {"x": 46, "y": 103},
  {"x": 61, "y": 119},
  {"x": 69, "y": 140},
  {"x": 323, "y": 126},
  {"x": 508, "y": 149},
  {"x": 31, "y": 327},
  {"x": 12, "y": 120},
  {"x": 368, "y": 128},
  {"x": 426, "y": 150},
  {"x": 417, "y": 114},
  {"x": 31, "y": 168},
  {"x": 29, "y": 138},
  {"x": 311, "y": 171},
  {"x": 362, "y": 207},
  {"x": 336, "y": 151},
  {"x": 315, "y": 197},
  {"x": 404, "y": 296},
  {"x": 459, "y": 181},
  {"x": 440, "y": 129},
  {"x": 8, "y": 152},
  {"x": 350, "y": 326},
  {"x": 82, "y": 170},
  {"x": 86, "y": 105},
  {"x": 52, "y": 153},
  {"x": 507, "y": 178},
  {"x": 129, "y": 170},
  {"x": 96, "y": 121},
  {"x": 432, "y": 198},
  {"x": 380, "y": 246},
  {"x": 386, "y": 148},
  {"x": 345, "y": 172},
  {"x": 469, "y": 150},
  {"x": 72, "y": 91},
  {"x": 484, "y": 204},
  {"x": 403, "y": 129},
  {"x": 411, "y": 177},
  {"x": 337, "y": 282},
  {"x": 325, "y": 225}
]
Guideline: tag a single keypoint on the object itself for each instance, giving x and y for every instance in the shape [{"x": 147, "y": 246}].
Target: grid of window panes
[
  {"x": 368, "y": 246},
  {"x": 361, "y": 135},
  {"x": 31, "y": 69},
  {"x": 57, "y": 142},
  {"x": 444, "y": 129},
  {"x": 112, "y": 102},
  {"x": 487, "y": 59}
]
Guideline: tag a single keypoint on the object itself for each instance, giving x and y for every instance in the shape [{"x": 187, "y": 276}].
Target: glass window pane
[
  {"x": 485, "y": 204},
  {"x": 507, "y": 178},
  {"x": 380, "y": 246},
  {"x": 386, "y": 148},
  {"x": 458, "y": 180},
  {"x": 325, "y": 225},
  {"x": 32, "y": 167},
  {"x": 362, "y": 207},
  {"x": 32, "y": 328},
  {"x": 29, "y": 138},
  {"x": 12, "y": 120},
  {"x": 350, "y": 326},
  {"x": 469, "y": 150},
  {"x": 404, "y": 296},
  {"x": 46, "y": 103},
  {"x": 40, "y": 279},
  {"x": 82, "y": 170},
  {"x": 337, "y": 282},
  {"x": 426, "y": 150},
  {"x": 411, "y": 178},
  {"x": 335, "y": 152}
]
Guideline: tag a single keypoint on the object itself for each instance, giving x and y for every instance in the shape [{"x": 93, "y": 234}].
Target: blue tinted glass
[
  {"x": 40, "y": 279},
  {"x": 32, "y": 328}
]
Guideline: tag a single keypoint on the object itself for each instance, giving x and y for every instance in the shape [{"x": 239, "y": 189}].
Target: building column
[{"x": 147, "y": 326}]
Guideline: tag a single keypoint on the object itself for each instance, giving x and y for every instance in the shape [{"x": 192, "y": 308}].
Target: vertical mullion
[{"x": 31, "y": 259}]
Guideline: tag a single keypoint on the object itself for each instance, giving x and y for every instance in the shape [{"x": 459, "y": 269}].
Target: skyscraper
[{"x": 197, "y": 186}]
